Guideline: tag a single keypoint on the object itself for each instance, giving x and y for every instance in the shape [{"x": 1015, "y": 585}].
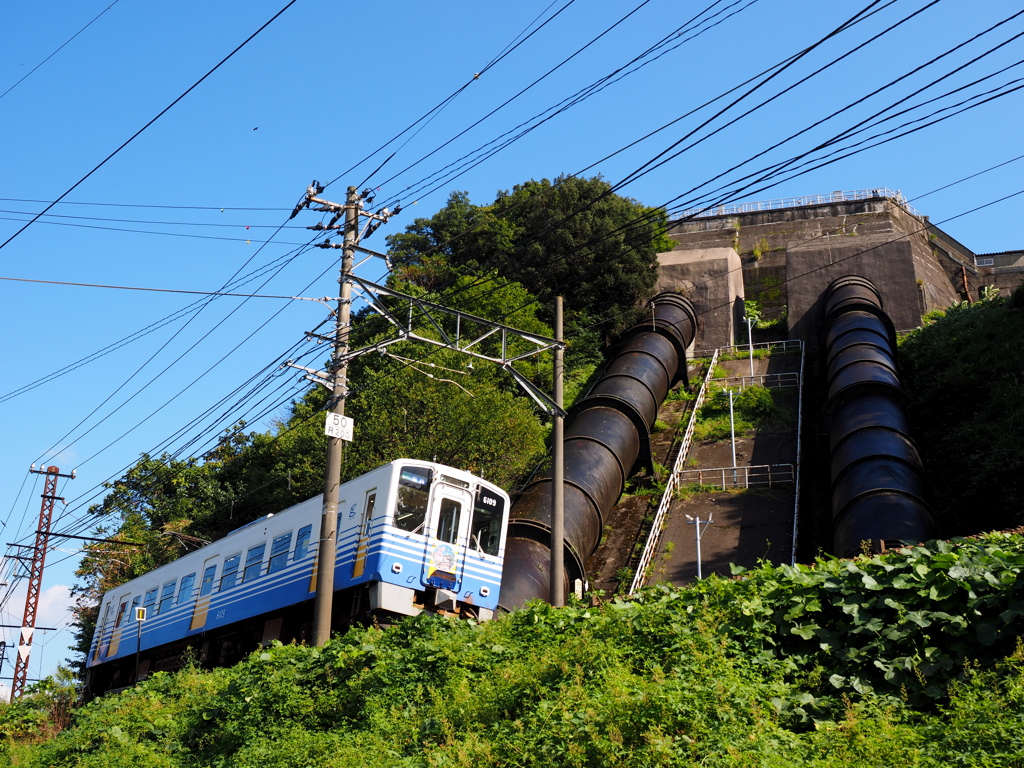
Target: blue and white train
[{"x": 412, "y": 536}]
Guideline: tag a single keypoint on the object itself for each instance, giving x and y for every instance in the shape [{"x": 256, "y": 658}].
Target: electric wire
[
  {"x": 58, "y": 50},
  {"x": 470, "y": 160},
  {"x": 427, "y": 116},
  {"x": 132, "y": 138}
]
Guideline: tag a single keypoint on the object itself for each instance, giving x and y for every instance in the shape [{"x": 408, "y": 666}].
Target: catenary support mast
[{"x": 35, "y": 578}]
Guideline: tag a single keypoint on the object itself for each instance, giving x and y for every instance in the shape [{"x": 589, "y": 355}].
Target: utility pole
[
  {"x": 335, "y": 379},
  {"x": 327, "y": 552},
  {"x": 35, "y": 579},
  {"x": 558, "y": 470}
]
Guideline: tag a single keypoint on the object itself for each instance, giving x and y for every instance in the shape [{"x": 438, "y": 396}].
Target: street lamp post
[{"x": 700, "y": 532}]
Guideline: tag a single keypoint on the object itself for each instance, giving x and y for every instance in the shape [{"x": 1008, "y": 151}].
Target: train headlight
[
  {"x": 485, "y": 591},
  {"x": 396, "y": 567}
]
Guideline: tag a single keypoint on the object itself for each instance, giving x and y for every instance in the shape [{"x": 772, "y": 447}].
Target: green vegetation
[
  {"x": 906, "y": 659},
  {"x": 572, "y": 235},
  {"x": 753, "y": 408},
  {"x": 965, "y": 374}
]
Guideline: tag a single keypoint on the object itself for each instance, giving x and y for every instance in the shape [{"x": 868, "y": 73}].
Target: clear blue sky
[{"x": 313, "y": 96}]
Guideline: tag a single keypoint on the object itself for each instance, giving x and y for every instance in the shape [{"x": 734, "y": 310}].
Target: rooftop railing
[{"x": 795, "y": 202}]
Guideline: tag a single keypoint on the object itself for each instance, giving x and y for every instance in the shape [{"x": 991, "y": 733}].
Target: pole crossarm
[{"x": 460, "y": 341}]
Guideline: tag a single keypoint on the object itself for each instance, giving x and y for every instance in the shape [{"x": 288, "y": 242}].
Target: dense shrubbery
[
  {"x": 907, "y": 659},
  {"x": 965, "y": 374}
]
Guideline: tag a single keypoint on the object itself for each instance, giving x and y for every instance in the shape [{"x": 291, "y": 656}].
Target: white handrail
[{"x": 795, "y": 202}]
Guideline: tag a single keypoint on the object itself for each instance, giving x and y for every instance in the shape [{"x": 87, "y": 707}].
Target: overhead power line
[
  {"x": 139, "y": 132},
  {"x": 59, "y": 49}
]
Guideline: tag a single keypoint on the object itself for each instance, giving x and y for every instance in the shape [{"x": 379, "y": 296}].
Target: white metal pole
[
  {"x": 557, "y": 592},
  {"x": 697, "y": 526},
  {"x": 750, "y": 342},
  {"x": 732, "y": 428}
]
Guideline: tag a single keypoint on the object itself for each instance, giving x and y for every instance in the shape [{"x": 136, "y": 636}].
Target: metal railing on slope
[{"x": 673, "y": 481}]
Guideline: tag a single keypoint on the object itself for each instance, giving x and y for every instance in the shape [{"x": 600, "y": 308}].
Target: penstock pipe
[
  {"x": 607, "y": 440},
  {"x": 878, "y": 486}
]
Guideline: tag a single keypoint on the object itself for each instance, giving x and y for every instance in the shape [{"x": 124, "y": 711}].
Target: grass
[{"x": 754, "y": 408}]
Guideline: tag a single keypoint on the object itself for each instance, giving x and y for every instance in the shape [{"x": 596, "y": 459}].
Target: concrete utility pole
[
  {"x": 332, "y": 478},
  {"x": 558, "y": 470},
  {"x": 35, "y": 579}
]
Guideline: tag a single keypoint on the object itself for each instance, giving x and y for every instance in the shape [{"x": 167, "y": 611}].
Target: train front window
[
  {"x": 230, "y": 574},
  {"x": 413, "y": 493},
  {"x": 448, "y": 520},
  {"x": 254, "y": 562},
  {"x": 207, "y": 586},
  {"x": 485, "y": 530}
]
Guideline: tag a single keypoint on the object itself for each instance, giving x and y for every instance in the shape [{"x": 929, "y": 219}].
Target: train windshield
[
  {"x": 413, "y": 493},
  {"x": 485, "y": 530}
]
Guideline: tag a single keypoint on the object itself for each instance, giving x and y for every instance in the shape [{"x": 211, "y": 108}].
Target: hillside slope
[{"x": 908, "y": 659}]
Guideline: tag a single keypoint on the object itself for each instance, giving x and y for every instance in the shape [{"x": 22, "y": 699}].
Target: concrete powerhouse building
[{"x": 784, "y": 253}]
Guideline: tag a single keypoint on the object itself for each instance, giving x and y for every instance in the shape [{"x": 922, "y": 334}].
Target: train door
[
  {"x": 202, "y": 607},
  {"x": 119, "y": 622},
  {"x": 450, "y": 510}
]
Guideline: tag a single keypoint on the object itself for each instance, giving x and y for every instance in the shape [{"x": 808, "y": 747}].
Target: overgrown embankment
[
  {"x": 907, "y": 659},
  {"x": 965, "y": 375}
]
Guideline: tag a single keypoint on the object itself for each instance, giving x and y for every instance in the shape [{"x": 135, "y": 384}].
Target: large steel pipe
[
  {"x": 607, "y": 439},
  {"x": 878, "y": 485}
]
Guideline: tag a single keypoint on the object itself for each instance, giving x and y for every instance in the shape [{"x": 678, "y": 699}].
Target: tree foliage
[
  {"x": 572, "y": 236},
  {"x": 965, "y": 373}
]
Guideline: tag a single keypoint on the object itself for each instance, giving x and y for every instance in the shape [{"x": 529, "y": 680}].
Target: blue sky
[{"x": 189, "y": 202}]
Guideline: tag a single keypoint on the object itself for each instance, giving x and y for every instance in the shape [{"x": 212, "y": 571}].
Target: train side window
[
  {"x": 150, "y": 601},
  {"x": 185, "y": 591},
  {"x": 413, "y": 494},
  {"x": 279, "y": 552},
  {"x": 121, "y": 609},
  {"x": 208, "y": 577},
  {"x": 135, "y": 602},
  {"x": 302, "y": 542},
  {"x": 254, "y": 562},
  {"x": 106, "y": 616},
  {"x": 485, "y": 528},
  {"x": 448, "y": 520},
  {"x": 167, "y": 596},
  {"x": 230, "y": 573}
]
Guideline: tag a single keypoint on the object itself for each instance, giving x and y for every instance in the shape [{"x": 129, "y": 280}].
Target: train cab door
[{"x": 447, "y": 524}]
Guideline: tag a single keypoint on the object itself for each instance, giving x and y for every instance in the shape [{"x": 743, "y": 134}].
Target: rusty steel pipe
[{"x": 607, "y": 439}]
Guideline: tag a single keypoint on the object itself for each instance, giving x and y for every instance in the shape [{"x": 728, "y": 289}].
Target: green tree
[{"x": 572, "y": 236}]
